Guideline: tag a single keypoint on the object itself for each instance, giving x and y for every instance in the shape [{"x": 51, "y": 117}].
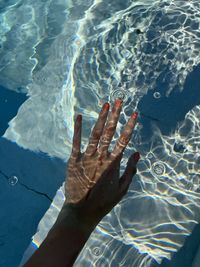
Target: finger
[
  {"x": 104, "y": 176},
  {"x": 129, "y": 172},
  {"x": 110, "y": 127},
  {"x": 125, "y": 137},
  {"x": 76, "y": 146},
  {"x": 115, "y": 163},
  {"x": 97, "y": 130}
]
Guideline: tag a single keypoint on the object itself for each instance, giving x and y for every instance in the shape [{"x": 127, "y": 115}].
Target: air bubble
[
  {"x": 156, "y": 95},
  {"x": 119, "y": 93},
  {"x": 158, "y": 168},
  {"x": 96, "y": 251},
  {"x": 13, "y": 180}
]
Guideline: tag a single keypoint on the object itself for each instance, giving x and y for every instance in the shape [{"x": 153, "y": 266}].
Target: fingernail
[
  {"x": 118, "y": 102},
  {"x": 106, "y": 106},
  {"x": 134, "y": 115},
  {"x": 136, "y": 156}
]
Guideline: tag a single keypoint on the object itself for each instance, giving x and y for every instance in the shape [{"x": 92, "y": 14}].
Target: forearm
[{"x": 64, "y": 241}]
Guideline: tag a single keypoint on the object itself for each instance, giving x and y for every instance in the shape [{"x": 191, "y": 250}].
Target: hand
[{"x": 93, "y": 186}]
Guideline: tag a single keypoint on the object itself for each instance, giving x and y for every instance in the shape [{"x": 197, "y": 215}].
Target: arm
[
  {"x": 92, "y": 176},
  {"x": 64, "y": 241}
]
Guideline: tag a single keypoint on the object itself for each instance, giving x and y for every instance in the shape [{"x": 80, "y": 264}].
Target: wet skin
[
  {"x": 93, "y": 187},
  {"x": 93, "y": 184}
]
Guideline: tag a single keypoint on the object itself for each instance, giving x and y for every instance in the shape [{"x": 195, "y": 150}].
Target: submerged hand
[
  {"x": 93, "y": 185},
  {"x": 92, "y": 189}
]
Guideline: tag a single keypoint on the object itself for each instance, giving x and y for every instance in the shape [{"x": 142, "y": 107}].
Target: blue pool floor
[
  {"x": 23, "y": 205},
  {"x": 10, "y": 102}
]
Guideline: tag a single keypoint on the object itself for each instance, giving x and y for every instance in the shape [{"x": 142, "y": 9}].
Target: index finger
[
  {"x": 76, "y": 146},
  {"x": 125, "y": 137}
]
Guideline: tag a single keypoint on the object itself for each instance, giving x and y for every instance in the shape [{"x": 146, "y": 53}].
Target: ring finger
[{"x": 125, "y": 137}]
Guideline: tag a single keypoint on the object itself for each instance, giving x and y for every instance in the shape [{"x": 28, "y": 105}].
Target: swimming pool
[{"x": 70, "y": 57}]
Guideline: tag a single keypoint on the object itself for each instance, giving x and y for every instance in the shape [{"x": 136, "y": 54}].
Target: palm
[{"x": 84, "y": 174}]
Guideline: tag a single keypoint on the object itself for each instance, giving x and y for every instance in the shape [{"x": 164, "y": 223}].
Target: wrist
[
  {"x": 71, "y": 217},
  {"x": 64, "y": 241}
]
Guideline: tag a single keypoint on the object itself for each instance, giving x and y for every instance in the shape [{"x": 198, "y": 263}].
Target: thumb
[{"x": 129, "y": 172}]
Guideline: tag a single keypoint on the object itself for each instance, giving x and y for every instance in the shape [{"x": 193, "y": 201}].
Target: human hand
[{"x": 93, "y": 186}]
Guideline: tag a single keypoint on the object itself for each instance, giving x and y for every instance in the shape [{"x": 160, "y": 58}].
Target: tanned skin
[{"x": 92, "y": 188}]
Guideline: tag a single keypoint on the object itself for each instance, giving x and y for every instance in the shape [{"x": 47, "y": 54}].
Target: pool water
[
  {"x": 10, "y": 102},
  {"x": 62, "y": 58}
]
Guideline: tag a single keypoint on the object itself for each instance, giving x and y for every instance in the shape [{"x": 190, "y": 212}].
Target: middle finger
[
  {"x": 97, "y": 130},
  {"x": 109, "y": 129}
]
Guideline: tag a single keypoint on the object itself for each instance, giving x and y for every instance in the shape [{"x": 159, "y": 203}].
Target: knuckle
[
  {"x": 124, "y": 139},
  {"x": 96, "y": 134},
  {"x": 110, "y": 128}
]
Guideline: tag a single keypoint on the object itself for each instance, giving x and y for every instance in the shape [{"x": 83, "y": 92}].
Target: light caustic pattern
[
  {"x": 137, "y": 50},
  {"x": 122, "y": 49}
]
